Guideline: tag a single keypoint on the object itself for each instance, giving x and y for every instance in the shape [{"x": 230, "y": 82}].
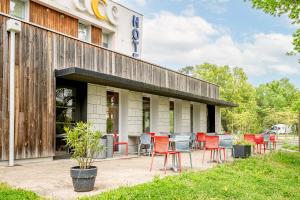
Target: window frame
[
  {"x": 89, "y": 28},
  {"x": 26, "y": 10}
]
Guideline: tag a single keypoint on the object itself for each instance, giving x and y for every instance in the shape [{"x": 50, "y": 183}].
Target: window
[
  {"x": 171, "y": 116},
  {"x": 105, "y": 40},
  {"x": 83, "y": 32},
  {"x": 17, "y": 8},
  {"x": 146, "y": 114},
  {"x": 112, "y": 115},
  {"x": 192, "y": 117}
]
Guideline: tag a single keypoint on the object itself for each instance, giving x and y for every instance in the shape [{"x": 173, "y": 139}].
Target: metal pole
[{"x": 12, "y": 99}]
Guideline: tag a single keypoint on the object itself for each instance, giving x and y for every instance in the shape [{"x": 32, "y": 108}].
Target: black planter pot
[
  {"x": 242, "y": 151},
  {"x": 83, "y": 179}
]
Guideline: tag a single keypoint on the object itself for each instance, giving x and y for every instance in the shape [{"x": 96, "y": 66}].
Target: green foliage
[
  {"x": 292, "y": 147},
  {"x": 9, "y": 193},
  {"x": 234, "y": 87},
  {"x": 84, "y": 143},
  {"x": 291, "y": 8},
  {"x": 259, "y": 108},
  {"x": 278, "y": 102},
  {"x": 273, "y": 176},
  {"x": 244, "y": 142}
]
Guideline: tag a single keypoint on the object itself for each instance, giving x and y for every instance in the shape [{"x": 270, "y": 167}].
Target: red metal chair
[
  {"x": 161, "y": 146},
  {"x": 259, "y": 141},
  {"x": 251, "y": 138},
  {"x": 273, "y": 141},
  {"x": 117, "y": 143},
  {"x": 212, "y": 144},
  {"x": 200, "y": 138}
]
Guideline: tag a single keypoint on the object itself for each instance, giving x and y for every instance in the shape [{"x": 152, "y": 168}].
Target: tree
[
  {"x": 291, "y": 8},
  {"x": 234, "y": 87}
]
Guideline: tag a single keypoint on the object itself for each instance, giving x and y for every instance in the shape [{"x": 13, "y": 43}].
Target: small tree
[{"x": 84, "y": 143}]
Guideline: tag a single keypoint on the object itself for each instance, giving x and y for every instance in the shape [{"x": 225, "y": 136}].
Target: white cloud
[
  {"x": 141, "y": 2},
  {"x": 180, "y": 40}
]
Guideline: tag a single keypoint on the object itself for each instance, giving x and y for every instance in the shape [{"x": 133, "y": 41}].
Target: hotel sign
[
  {"x": 92, "y": 7},
  {"x": 135, "y": 35}
]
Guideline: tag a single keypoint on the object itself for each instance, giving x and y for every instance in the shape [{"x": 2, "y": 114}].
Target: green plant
[
  {"x": 84, "y": 143},
  {"x": 243, "y": 142},
  {"x": 9, "y": 193}
]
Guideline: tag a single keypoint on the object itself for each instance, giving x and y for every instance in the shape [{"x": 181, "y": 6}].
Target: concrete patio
[{"x": 52, "y": 178}]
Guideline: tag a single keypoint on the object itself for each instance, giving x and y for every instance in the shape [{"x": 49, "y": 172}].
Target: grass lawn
[
  {"x": 9, "y": 193},
  {"x": 275, "y": 176},
  {"x": 290, "y": 147}
]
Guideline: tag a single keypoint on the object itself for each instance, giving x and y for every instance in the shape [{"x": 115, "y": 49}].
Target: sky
[{"x": 179, "y": 33}]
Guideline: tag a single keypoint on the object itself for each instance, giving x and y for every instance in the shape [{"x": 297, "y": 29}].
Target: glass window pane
[
  {"x": 83, "y": 32},
  {"x": 105, "y": 40},
  {"x": 112, "y": 115},
  {"x": 146, "y": 114},
  {"x": 17, "y": 8},
  {"x": 171, "y": 116}
]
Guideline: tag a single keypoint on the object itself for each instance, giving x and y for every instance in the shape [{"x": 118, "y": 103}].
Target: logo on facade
[
  {"x": 135, "y": 35},
  {"x": 93, "y": 8}
]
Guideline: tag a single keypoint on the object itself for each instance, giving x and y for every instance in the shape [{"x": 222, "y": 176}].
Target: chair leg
[
  {"x": 179, "y": 161},
  {"x": 218, "y": 156},
  {"x": 166, "y": 161},
  {"x": 191, "y": 159},
  {"x": 224, "y": 154},
  {"x": 152, "y": 161},
  {"x": 211, "y": 153},
  {"x": 203, "y": 155}
]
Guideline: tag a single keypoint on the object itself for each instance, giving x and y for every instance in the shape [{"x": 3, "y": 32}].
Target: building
[{"x": 79, "y": 60}]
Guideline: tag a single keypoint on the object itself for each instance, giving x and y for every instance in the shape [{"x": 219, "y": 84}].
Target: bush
[{"x": 9, "y": 193}]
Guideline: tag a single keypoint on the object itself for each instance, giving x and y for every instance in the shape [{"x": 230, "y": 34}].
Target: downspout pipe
[{"x": 13, "y": 27}]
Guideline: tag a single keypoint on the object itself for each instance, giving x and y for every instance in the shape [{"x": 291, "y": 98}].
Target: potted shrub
[
  {"x": 242, "y": 149},
  {"x": 84, "y": 144}
]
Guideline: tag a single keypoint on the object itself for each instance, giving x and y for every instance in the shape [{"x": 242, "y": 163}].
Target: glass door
[
  {"x": 112, "y": 114},
  {"x": 65, "y": 116},
  {"x": 146, "y": 114}
]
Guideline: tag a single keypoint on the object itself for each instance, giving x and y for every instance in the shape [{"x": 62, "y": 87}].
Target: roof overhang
[{"x": 84, "y": 75}]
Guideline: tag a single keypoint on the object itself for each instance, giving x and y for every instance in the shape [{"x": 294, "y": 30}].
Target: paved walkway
[{"x": 52, "y": 178}]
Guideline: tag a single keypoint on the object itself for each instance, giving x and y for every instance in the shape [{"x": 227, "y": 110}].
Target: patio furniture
[
  {"x": 161, "y": 147},
  {"x": 145, "y": 140},
  {"x": 182, "y": 145},
  {"x": 259, "y": 141},
  {"x": 266, "y": 140},
  {"x": 193, "y": 140},
  {"x": 212, "y": 144},
  {"x": 117, "y": 143},
  {"x": 200, "y": 138},
  {"x": 273, "y": 141},
  {"x": 226, "y": 142},
  {"x": 251, "y": 138}
]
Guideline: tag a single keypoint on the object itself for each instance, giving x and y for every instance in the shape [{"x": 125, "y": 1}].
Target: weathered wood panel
[
  {"x": 4, "y": 6},
  {"x": 52, "y": 19},
  {"x": 96, "y": 35},
  {"x": 34, "y": 93}
]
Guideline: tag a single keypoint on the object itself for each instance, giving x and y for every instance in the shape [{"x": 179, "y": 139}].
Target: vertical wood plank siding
[
  {"x": 38, "y": 53},
  {"x": 52, "y": 19},
  {"x": 96, "y": 35},
  {"x": 4, "y": 6}
]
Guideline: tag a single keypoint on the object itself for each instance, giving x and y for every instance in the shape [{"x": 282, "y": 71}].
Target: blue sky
[{"x": 178, "y": 33}]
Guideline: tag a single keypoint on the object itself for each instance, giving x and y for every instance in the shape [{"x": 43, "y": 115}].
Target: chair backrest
[
  {"x": 266, "y": 137},
  {"x": 226, "y": 141},
  {"x": 182, "y": 143},
  {"x": 152, "y": 134},
  {"x": 259, "y": 139},
  {"x": 200, "y": 137},
  {"x": 249, "y": 137},
  {"x": 161, "y": 144},
  {"x": 272, "y": 138},
  {"x": 145, "y": 138},
  {"x": 212, "y": 142},
  {"x": 193, "y": 137}
]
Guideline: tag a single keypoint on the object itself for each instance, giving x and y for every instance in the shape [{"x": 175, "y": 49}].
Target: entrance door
[
  {"x": 70, "y": 108},
  {"x": 211, "y": 125}
]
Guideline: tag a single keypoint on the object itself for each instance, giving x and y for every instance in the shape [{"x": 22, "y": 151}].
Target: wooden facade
[
  {"x": 53, "y": 20},
  {"x": 96, "y": 35},
  {"x": 38, "y": 53},
  {"x": 4, "y": 6}
]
